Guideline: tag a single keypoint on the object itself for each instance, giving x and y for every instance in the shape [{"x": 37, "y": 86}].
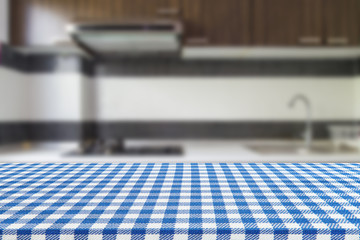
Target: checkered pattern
[{"x": 179, "y": 201}]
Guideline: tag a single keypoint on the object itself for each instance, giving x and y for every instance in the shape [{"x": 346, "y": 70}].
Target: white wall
[
  {"x": 4, "y": 13},
  {"x": 223, "y": 99},
  {"x": 14, "y": 95},
  {"x": 357, "y": 98},
  {"x": 40, "y": 97},
  {"x": 46, "y": 20},
  {"x": 55, "y": 97},
  {"x": 60, "y": 97}
]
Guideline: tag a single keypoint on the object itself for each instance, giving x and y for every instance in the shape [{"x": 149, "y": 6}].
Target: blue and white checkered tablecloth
[{"x": 179, "y": 201}]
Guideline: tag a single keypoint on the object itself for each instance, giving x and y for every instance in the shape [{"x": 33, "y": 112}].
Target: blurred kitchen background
[{"x": 180, "y": 80}]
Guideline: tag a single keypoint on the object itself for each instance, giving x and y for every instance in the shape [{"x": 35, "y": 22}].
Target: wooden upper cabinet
[
  {"x": 275, "y": 22},
  {"x": 341, "y": 22},
  {"x": 206, "y": 22},
  {"x": 310, "y": 23},
  {"x": 287, "y": 22},
  {"x": 214, "y": 22},
  {"x": 42, "y": 22},
  {"x": 93, "y": 10},
  {"x": 147, "y": 9},
  {"x": 306, "y": 22},
  {"x": 114, "y": 10}
]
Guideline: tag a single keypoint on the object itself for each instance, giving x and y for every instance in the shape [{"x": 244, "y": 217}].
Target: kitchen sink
[{"x": 298, "y": 149}]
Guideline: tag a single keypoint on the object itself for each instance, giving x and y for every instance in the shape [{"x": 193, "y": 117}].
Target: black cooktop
[{"x": 100, "y": 148}]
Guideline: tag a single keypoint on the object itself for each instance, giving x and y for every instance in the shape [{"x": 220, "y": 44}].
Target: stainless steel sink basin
[{"x": 298, "y": 149}]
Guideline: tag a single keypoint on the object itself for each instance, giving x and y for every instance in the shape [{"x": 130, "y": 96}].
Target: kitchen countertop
[
  {"x": 224, "y": 52},
  {"x": 194, "y": 151}
]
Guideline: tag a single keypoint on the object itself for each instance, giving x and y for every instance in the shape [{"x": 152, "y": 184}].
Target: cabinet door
[
  {"x": 311, "y": 23},
  {"x": 276, "y": 22},
  {"x": 342, "y": 22},
  {"x": 113, "y": 10},
  {"x": 288, "y": 22},
  {"x": 18, "y": 16},
  {"x": 214, "y": 22},
  {"x": 147, "y": 9},
  {"x": 94, "y": 10},
  {"x": 37, "y": 22}
]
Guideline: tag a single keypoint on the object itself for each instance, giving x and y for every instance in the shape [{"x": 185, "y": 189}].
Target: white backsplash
[
  {"x": 59, "y": 97},
  {"x": 357, "y": 97},
  {"x": 223, "y": 99}
]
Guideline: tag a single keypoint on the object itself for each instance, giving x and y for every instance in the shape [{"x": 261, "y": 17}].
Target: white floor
[{"x": 194, "y": 151}]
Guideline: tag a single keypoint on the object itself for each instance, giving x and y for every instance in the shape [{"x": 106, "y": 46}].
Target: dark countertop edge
[
  {"x": 42, "y": 62},
  {"x": 31, "y": 62},
  {"x": 78, "y": 130}
]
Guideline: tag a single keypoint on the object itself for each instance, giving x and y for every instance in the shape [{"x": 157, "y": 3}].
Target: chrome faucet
[{"x": 308, "y": 134}]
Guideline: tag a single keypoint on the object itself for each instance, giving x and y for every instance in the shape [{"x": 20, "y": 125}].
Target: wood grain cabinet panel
[
  {"x": 148, "y": 9},
  {"x": 206, "y": 22},
  {"x": 113, "y": 10},
  {"x": 38, "y": 22},
  {"x": 287, "y": 22},
  {"x": 306, "y": 22},
  {"x": 94, "y": 10},
  {"x": 213, "y": 22},
  {"x": 18, "y": 18},
  {"x": 341, "y": 22},
  {"x": 311, "y": 23}
]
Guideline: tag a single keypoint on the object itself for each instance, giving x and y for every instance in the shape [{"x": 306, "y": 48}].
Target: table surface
[{"x": 179, "y": 201}]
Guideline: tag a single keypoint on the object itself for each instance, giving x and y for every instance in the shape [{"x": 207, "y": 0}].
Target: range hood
[{"x": 130, "y": 38}]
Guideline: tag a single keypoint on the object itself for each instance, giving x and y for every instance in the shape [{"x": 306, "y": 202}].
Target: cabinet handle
[
  {"x": 197, "y": 41},
  {"x": 310, "y": 40},
  {"x": 168, "y": 11},
  {"x": 338, "y": 41}
]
